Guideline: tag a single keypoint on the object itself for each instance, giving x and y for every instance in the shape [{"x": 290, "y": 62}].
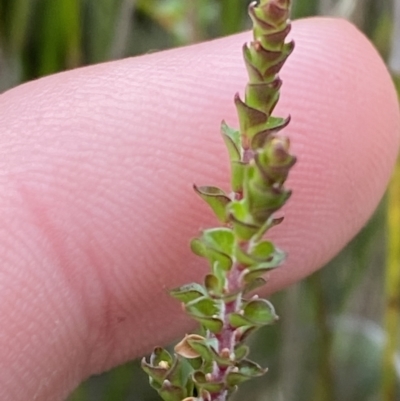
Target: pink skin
[{"x": 97, "y": 208}]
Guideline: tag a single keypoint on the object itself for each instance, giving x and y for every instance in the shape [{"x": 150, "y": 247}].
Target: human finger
[{"x": 97, "y": 166}]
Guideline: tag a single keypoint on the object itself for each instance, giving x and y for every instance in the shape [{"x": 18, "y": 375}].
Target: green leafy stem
[{"x": 210, "y": 365}]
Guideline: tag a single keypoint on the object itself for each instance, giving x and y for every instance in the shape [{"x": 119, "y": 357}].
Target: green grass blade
[
  {"x": 70, "y": 17},
  {"x": 20, "y": 12},
  {"x": 392, "y": 291},
  {"x": 233, "y": 12}
]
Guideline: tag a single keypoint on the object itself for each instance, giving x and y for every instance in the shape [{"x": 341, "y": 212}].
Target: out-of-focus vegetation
[{"x": 331, "y": 343}]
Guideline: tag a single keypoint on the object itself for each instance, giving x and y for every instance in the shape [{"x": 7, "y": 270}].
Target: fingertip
[{"x": 345, "y": 130}]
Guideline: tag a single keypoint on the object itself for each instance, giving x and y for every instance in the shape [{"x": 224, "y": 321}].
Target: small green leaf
[
  {"x": 246, "y": 370},
  {"x": 175, "y": 374},
  {"x": 259, "y": 61},
  {"x": 239, "y": 209},
  {"x": 219, "y": 270},
  {"x": 243, "y": 257},
  {"x": 213, "y": 324},
  {"x": 198, "y": 248},
  {"x": 202, "y": 348},
  {"x": 232, "y": 141},
  {"x": 263, "y": 250},
  {"x": 206, "y": 311},
  {"x": 255, "y": 75},
  {"x": 251, "y": 120},
  {"x": 213, "y": 285},
  {"x": 156, "y": 373},
  {"x": 237, "y": 320},
  {"x": 232, "y": 296},
  {"x": 163, "y": 367},
  {"x": 160, "y": 355},
  {"x": 274, "y": 125},
  {"x": 277, "y": 123},
  {"x": 263, "y": 96},
  {"x": 241, "y": 351},
  {"x": 188, "y": 292},
  {"x": 203, "y": 306},
  {"x": 220, "y": 239},
  {"x": 274, "y": 221},
  {"x": 190, "y": 389},
  {"x": 242, "y": 229},
  {"x": 260, "y": 311},
  {"x": 264, "y": 201},
  {"x": 195, "y": 363},
  {"x": 244, "y": 332},
  {"x": 252, "y": 285},
  {"x": 238, "y": 173},
  {"x": 276, "y": 259},
  {"x": 257, "y": 313},
  {"x": 255, "y": 274},
  {"x": 224, "y": 260},
  {"x": 216, "y": 199},
  {"x": 240, "y": 216},
  {"x": 169, "y": 392},
  {"x": 223, "y": 362},
  {"x": 216, "y": 244}
]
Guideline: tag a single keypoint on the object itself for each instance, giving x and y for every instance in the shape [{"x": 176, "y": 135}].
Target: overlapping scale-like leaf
[
  {"x": 255, "y": 313},
  {"x": 167, "y": 375}
]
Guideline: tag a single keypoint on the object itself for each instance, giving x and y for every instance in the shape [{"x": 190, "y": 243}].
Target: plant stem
[
  {"x": 325, "y": 386},
  {"x": 226, "y": 339},
  {"x": 392, "y": 293},
  {"x": 238, "y": 256}
]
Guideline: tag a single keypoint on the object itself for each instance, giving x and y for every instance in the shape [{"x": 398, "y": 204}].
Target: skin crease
[{"x": 97, "y": 208}]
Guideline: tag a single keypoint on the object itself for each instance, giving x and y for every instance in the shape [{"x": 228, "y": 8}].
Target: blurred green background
[{"x": 339, "y": 329}]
